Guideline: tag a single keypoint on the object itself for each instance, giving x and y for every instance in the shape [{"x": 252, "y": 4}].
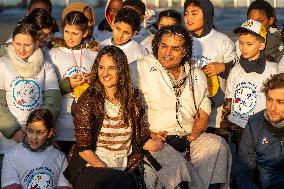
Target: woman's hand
[
  {"x": 214, "y": 68},
  {"x": 100, "y": 163},
  {"x": 154, "y": 145},
  {"x": 92, "y": 159},
  {"x": 76, "y": 80}
]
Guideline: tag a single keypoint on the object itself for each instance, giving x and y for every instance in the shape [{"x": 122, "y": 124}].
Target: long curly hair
[
  {"x": 124, "y": 92},
  {"x": 175, "y": 30}
]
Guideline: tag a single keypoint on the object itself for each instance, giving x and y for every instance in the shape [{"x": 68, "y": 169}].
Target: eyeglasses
[
  {"x": 45, "y": 36},
  {"x": 174, "y": 33}
]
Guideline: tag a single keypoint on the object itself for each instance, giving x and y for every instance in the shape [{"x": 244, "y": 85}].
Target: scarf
[
  {"x": 178, "y": 84},
  {"x": 40, "y": 149},
  {"x": 257, "y": 65},
  {"x": 29, "y": 67}
]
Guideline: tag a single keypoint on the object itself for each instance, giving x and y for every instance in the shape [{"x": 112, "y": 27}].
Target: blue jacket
[{"x": 260, "y": 161}]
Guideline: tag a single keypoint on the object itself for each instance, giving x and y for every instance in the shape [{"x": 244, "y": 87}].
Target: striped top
[{"x": 114, "y": 140}]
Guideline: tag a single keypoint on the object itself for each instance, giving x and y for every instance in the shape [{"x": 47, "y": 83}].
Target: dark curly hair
[
  {"x": 125, "y": 90},
  {"x": 129, "y": 16},
  {"x": 171, "y": 14},
  {"x": 276, "y": 81},
  {"x": 176, "y": 30}
]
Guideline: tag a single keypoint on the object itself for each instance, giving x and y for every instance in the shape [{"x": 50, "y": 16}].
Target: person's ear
[
  {"x": 85, "y": 34},
  {"x": 262, "y": 46},
  {"x": 52, "y": 133},
  {"x": 36, "y": 44},
  {"x": 271, "y": 20},
  {"x": 142, "y": 18}
]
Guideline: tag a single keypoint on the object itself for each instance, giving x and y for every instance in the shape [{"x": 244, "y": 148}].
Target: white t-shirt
[
  {"x": 101, "y": 35},
  {"x": 281, "y": 65},
  {"x": 132, "y": 49},
  {"x": 147, "y": 43},
  {"x": 141, "y": 35},
  {"x": 244, "y": 90},
  {"x": 34, "y": 169},
  {"x": 214, "y": 47},
  {"x": 23, "y": 95},
  {"x": 114, "y": 139},
  {"x": 66, "y": 66},
  {"x": 161, "y": 102}
]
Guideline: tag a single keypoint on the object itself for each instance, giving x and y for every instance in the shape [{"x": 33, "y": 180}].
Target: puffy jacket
[{"x": 260, "y": 162}]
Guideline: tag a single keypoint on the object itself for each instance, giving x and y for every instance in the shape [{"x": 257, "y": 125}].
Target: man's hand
[
  {"x": 200, "y": 125},
  {"x": 214, "y": 68},
  {"x": 18, "y": 135},
  {"x": 159, "y": 136},
  {"x": 154, "y": 145}
]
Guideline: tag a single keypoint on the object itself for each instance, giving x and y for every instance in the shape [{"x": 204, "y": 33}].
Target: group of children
[{"x": 58, "y": 72}]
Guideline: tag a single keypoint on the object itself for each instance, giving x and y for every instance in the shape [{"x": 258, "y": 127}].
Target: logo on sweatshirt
[
  {"x": 244, "y": 99},
  {"x": 75, "y": 70},
  {"x": 265, "y": 140},
  {"x": 26, "y": 94},
  {"x": 39, "y": 178}
]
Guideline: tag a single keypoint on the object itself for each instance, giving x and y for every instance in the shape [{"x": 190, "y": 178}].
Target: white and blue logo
[
  {"x": 26, "y": 94},
  {"x": 244, "y": 99}
]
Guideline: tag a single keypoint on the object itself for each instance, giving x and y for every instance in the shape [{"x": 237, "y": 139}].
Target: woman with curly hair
[{"x": 110, "y": 127}]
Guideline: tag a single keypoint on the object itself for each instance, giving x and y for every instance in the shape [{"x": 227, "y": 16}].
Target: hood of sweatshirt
[
  {"x": 106, "y": 23},
  {"x": 208, "y": 16},
  {"x": 106, "y": 13}
]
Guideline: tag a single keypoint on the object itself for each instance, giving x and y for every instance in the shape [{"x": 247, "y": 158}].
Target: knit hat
[
  {"x": 77, "y": 6},
  {"x": 252, "y": 26}
]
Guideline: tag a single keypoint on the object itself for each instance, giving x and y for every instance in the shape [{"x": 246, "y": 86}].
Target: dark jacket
[{"x": 260, "y": 162}]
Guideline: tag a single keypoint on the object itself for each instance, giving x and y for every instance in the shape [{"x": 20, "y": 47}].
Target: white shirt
[
  {"x": 114, "y": 139},
  {"x": 147, "y": 43},
  {"x": 214, "y": 47},
  {"x": 159, "y": 95},
  {"x": 101, "y": 35},
  {"x": 23, "y": 95},
  {"x": 34, "y": 169},
  {"x": 281, "y": 65},
  {"x": 131, "y": 49},
  {"x": 66, "y": 66},
  {"x": 244, "y": 90},
  {"x": 141, "y": 35}
]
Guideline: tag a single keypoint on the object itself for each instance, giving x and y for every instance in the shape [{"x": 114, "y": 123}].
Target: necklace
[{"x": 79, "y": 68}]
